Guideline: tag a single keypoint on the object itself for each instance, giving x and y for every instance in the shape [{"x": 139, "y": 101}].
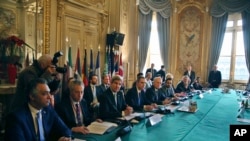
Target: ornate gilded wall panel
[
  {"x": 190, "y": 35},
  {"x": 74, "y": 34},
  {"x": 47, "y": 18}
]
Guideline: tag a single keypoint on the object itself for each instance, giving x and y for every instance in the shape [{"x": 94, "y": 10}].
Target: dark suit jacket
[
  {"x": 152, "y": 98},
  {"x": 197, "y": 86},
  {"x": 181, "y": 88},
  {"x": 191, "y": 76},
  {"x": 20, "y": 126},
  {"x": 132, "y": 99},
  {"x": 88, "y": 96},
  {"x": 162, "y": 74},
  {"x": 214, "y": 78},
  {"x": 154, "y": 73},
  {"x": 66, "y": 112},
  {"x": 108, "y": 108},
  {"x": 100, "y": 89}
]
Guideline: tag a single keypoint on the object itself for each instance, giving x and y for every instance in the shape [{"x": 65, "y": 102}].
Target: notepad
[{"x": 100, "y": 127}]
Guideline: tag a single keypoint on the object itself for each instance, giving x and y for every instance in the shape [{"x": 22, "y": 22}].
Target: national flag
[
  {"x": 109, "y": 63},
  {"x": 91, "y": 66},
  {"x": 106, "y": 64},
  {"x": 120, "y": 66},
  {"x": 85, "y": 70},
  {"x": 112, "y": 57},
  {"x": 78, "y": 65},
  {"x": 97, "y": 67},
  {"x": 69, "y": 63},
  {"x": 116, "y": 64}
]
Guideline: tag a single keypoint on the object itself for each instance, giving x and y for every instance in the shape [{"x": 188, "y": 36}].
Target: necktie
[
  {"x": 40, "y": 131},
  {"x": 78, "y": 115},
  {"x": 115, "y": 97},
  {"x": 156, "y": 95},
  {"x": 94, "y": 94},
  {"x": 139, "y": 98}
]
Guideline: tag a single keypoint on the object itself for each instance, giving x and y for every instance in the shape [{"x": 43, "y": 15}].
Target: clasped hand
[{"x": 128, "y": 110}]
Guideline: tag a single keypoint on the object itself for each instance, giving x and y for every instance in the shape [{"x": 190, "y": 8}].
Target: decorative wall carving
[
  {"x": 8, "y": 22},
  {"x": 190, "y": 38}
]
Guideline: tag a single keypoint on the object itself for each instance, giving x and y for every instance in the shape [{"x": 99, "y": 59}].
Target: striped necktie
[{"x": 78, "y": 115}]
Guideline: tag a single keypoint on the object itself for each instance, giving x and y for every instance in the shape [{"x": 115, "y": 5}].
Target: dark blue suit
[
  {"x": 214, "y": 79},
  {"x": 191, "y": 76},
  {"x": 153, "y": 97},
  {"x": 181, "y": 88},
  {"x": 108, "y": 107},
  {"x": 88, "y": 95},
  {"x": 100, "y": 89},
  {"x": 153, "y": 71},
  {"x": 66, "y": 112},
  {"x": 20, "y": 126},
  {"x": 136, "y": 102}
]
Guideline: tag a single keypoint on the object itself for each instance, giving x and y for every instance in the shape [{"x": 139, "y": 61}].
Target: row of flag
[{"x": 112, "y": 65}]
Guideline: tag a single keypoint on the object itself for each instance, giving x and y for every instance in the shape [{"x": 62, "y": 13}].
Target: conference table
[{"x": 211, "y": 122}]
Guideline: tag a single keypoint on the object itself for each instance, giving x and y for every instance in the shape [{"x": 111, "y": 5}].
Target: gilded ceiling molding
[
  {"x": 95, "y": 5},
  {"x": 200, "y": 4},
  {"x": 46, "y": 35}
]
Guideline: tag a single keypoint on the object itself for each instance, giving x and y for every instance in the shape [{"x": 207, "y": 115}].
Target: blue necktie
[
  {"x": 78, "y": 115},
  {"x": 40, "y": 131}
]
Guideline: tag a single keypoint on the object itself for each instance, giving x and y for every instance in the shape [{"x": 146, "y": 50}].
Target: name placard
[{"x": 155, "y": 119}]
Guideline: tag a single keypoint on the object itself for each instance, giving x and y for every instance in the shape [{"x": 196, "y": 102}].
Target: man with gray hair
[
  {"x": 154, "y": 95},
  {"x": 112, "y": 102},
  {"x": 41, "y": 68}
]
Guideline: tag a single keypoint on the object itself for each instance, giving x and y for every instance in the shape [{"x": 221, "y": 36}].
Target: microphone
[{"x": 126, "y": 128}]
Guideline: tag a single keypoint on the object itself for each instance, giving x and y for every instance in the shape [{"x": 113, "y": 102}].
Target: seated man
[
  {"x": 100, "y": 89},
  {"x": 148, "y": 80},
  {"x": 112, "y": 102},
  {"x": 184, "y": 85},
  {"x": 73, "y": 110},
  {"x": 197, "y": 85},
  {"x": 36, "y": 120},
  {"x": 136, "y": 98},
  {"x": 168, "y": 91},
  {"x": 91, "y": 96},
  {"x": 154, "y": 95},
  {"x": 138, "y": 75}
]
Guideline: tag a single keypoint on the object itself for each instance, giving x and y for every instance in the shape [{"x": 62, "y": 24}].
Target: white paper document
[{"x": 100, "y": 127}]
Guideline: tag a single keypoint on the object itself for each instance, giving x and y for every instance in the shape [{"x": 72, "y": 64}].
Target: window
[
  {"x": 154, "y": 48},
  {"x": 232, "y": 63}
]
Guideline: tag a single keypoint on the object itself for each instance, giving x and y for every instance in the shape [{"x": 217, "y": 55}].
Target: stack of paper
[{"x": 100, "y": 127}]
